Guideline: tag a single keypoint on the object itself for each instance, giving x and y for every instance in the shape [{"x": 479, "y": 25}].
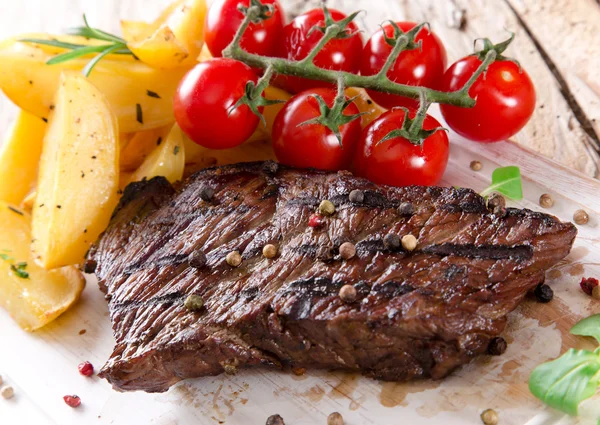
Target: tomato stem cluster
[{"x": 380, "y": 82}]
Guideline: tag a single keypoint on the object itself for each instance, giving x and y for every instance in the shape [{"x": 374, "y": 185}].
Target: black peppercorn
[
  {"x": 543, "y": 293},
  {"x": 197, "y": 259},
  {"x": 392, "y": 242},
  {"x": 206, "y": 193},
  {"x": 497, "y": 346},
  {"x": 406, "y": 209},
  {"x": 357, "y": 196},
  {"x": 275, "y": 420}
]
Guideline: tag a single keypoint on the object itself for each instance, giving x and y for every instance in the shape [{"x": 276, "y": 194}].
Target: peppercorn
[
  {"x": 495, "y": 200},
  {"x": 543, "y": 293},
  {"x": 581, "y": 217},
  {"x": 197, "y": 259},
  {"x": 546, "y": 201},
  {"x": 596, "y": 293},
  {"x": 326, "y": 207},
  {"x": 348, "y": 293},
  {"x": 234, "y": 259},
  {"x": 86, "y": 369},
  {"x": 206, "y": 193},
  {"x": 476, "y": 165},
  {"x": 7, "y": 392},
  {"x": 497, "y": 346},
  {"x": 409, "y": 242},
  {"x": 489, "y": 417},
  {"x": 275, "y": 420},
  {"x": 72, "y": 400},
  {"x": 406, "y": 209},
  {"x": 335, "y": 419},
  {"x": 357, "y": 196},
  {"x": 89, "y": 266},
  {"x": 347, "y": 250},
  {"x": 298, "y": 371},
  {"x": 391, "y": 242},
  {"x": 269, "y": 251},
  {"x": 315, "y": 220},
  {"x": 194, "y": 302},
  {"x": 588, "y": 284}
]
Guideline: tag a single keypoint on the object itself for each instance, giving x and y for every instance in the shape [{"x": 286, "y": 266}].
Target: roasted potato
[
  {"x": 19, "y": 157},
  {"x": 174, "y": 40},
  {"x": 140, "y": 145},
  {"x": 141, "y": 96},
  {"x": 31, "y": 295},
  {"x": 364, "y": 103},
  {"x": 167, "y": 159},
  {"x": 78, "y": 176}
]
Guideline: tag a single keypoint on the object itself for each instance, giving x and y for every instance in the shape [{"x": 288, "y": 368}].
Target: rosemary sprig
[{"x": 115, "y": 45}]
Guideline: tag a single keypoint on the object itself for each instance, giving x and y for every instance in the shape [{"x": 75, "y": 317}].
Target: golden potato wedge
[
  {"x": 173, "y": 40},
  {"x": 20, "y": 156},
  {"x": 141, "y": 96},
  {"x": 31, "y": 295},
  {"x": 79, "y": 174},
  {"x": 29, "y": 200},
  {"x": 140, "y": 145},
  {"x": 204, "y": 54},
  {"x": 167, "y": 159},
  {"x": 365, "y": 104}
]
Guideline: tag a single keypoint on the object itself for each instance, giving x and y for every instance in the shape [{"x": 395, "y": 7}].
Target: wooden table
[{"x": 558, "y": 42}]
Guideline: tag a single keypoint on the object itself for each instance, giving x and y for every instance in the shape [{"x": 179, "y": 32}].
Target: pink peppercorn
[
  {"x": 72, "y": 400},
  {"x": 315, "y": 220},
  {"x": 86, "y": 369}
]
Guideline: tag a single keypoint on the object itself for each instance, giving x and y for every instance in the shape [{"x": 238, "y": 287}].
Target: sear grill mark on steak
[{"x": 415, "y": 315}]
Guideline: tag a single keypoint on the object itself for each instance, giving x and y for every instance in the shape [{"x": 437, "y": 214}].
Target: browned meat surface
[{"x": 418, "y": 314}]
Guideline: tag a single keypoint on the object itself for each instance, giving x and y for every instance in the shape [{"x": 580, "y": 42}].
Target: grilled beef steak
[{"x": 416, "y": 314}]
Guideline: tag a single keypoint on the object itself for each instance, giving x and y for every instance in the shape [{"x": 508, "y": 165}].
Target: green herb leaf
[
  {"x": 6, "y": 257},
  {"x": 91, "y": 64},
  {"x": 76, "y": 53},
  {"x": 89, "y": 32},
  {"x": 567, "y": 381},
  {"x": 507, "y": 181},
  {"x": 19, "y": 270},
  {"x": 588, "y": 327}
]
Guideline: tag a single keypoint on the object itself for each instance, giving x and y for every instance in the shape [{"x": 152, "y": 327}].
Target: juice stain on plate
[{"x": 394, "y": 393}]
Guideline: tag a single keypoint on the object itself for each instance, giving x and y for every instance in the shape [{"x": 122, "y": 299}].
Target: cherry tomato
[
  {"x": 203, "y": 101},
  {"x": 505, "y": 100},
  {"x": 338, "y": 54},
  {"x": 313, "y": 145},
  {"x": 398, "y": 162},
  {"x": 223, "y": 20},
  {"x": 417, "y": 67}
]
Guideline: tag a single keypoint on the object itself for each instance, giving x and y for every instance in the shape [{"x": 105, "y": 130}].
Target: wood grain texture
[{"x": 557, "y": 42}]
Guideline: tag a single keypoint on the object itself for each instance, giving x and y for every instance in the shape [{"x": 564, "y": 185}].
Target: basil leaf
[
  {"x": 507, "y": 181},
  {"x": 588, "y": 327},
  {"x": 567, "y": 381}
]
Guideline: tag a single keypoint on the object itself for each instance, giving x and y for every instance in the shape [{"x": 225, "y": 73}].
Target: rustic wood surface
[{"x": 558, "y": 42}]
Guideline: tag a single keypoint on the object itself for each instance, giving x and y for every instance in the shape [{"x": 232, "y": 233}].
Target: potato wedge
[
  {"x": 173, "y": 40},
  {"x": 31, "y": 295},
  {"x": 78, "y": 176},
  {"x": 28, "y": 201},
  {"x": 140, "y": 145},
  {"x": 364, "y": 103},
  {"x": 20, "y": 156},
  {"x": 167, "y": 159},
  {"x": 141, "y": 96}
]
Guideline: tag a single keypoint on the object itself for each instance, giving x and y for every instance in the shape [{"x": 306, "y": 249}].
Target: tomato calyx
[
  {"x": 333, "y": 117},
  {"x": 409, "y": 36},
  {"x": 499, "y": 48},
  {"x": 337, "y": 29},
  {"x": 412, "y": 128},
  {"x": 253, "y": 96},
  {"x": 257, "y": 11}
]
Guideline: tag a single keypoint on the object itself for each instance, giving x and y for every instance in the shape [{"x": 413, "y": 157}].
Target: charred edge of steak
[{"x": 148, "y": 189}]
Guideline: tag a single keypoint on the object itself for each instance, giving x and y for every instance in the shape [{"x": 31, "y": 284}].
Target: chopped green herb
[
  {"x": 6, "y": 257},
  {"x": 139, "y": 114},
  {"x": 19, "y": 270},
  {"x": 507, "y": 181},
  {"x": 176, "y": 150},
  {"x": 159, "y": 141},
  {"x": 13, "y": 209},
  {"x": 150, "y": 93},
  {"x": 572, "y": 378},
  {"x": 45, "y": 120}
]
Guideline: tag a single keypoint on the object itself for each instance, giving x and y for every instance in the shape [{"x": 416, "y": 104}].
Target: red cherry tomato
[
  {"x": 505, "y": 100},
  {"x": 398, "y": 162},
  {"x": 424, "y": 67},
  {"x": 338, "y": 54},
  {"x": 313, "y": 145},
  {"x": 223, "y": 20},
  {"x": 203, "y": 101}
]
